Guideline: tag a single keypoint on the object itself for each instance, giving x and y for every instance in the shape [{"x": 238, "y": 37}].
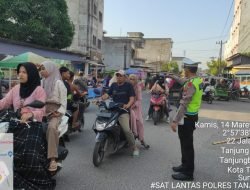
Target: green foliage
[
  {"x": 1, "y": 74},
  {"x": 246, "y": 54},
  {"x": 170, "y": 67},
  {"x": 214, "y": 65},
  {"x": 41, "y": 22}
]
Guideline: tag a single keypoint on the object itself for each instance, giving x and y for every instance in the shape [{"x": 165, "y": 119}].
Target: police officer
[{"x": 187, "y": 115}]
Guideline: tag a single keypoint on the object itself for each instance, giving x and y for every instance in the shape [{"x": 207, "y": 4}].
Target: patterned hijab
[
  {"x": 50, "y": 81},
  {"x": 26, "y": 89}
]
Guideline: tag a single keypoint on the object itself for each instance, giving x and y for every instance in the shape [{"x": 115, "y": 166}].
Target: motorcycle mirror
[{"x": 36, "y": 104}]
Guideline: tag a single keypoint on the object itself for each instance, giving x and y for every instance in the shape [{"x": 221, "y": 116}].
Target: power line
[
  {"x": 227, "y": 18},
  {"x": 197, "y": 49},
  {"x": 190, "y": 41}
]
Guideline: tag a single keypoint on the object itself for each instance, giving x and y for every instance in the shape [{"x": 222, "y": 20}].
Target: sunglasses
[{"x": 131, "y": 79}]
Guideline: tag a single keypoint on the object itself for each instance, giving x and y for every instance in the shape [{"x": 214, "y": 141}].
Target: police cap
[{"x": 195, "y": 64}]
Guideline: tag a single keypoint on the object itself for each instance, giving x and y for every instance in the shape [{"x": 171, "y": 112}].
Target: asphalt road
[{"x": 123, "y": 172}]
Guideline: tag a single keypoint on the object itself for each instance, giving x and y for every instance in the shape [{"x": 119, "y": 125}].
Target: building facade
[
  {"x": 121, "y": 52},
  {"x": 87, "y": 17},
  {"x": 244, "y": 33},
  {"x": 139, "y": 51},
  {"x": 156, "y": 49},
  {"x": 238, "y": 41},
  {"x": 114, "y": 53}
]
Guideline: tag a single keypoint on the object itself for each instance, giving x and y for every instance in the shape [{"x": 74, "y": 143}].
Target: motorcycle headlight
[
  {"x": 111, "y": 124},
  {"x": 100, "y": 126}
]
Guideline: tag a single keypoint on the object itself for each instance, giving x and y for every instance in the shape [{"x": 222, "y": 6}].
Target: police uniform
[{"x": 188, "y": 110}]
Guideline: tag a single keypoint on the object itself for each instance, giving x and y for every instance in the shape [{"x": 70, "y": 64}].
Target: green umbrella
[{"x": 25, "y": 57}]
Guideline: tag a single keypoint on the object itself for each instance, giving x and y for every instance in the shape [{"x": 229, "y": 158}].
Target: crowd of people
[{"x": 58, "y": 89}]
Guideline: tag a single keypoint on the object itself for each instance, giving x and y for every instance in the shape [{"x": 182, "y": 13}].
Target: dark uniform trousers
[{"x": 185, "y": 133}]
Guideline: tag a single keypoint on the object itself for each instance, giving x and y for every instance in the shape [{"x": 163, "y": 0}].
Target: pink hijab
[{"x": 50, "y": 81}]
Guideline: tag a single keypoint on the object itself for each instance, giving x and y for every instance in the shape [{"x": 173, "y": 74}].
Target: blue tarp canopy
[{"x": 133, "y": 71}]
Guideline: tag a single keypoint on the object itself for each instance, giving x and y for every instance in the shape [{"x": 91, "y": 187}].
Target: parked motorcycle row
[
  {"x": 220, "y": 88},
  {"x": 225, "y": 94}
]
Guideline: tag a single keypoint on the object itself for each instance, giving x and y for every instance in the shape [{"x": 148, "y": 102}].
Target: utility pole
[
  {"x": 220, "y": 56},
  {"x": 125, "y": 57}
]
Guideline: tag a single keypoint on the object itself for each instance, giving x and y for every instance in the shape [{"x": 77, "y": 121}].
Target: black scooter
[{"x": 109, "y": 135}]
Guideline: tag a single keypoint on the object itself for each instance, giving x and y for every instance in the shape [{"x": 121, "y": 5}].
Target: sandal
[
  {"x": 76, "y": 127},
  {"x": 146, "y": 146},
  {"x": 53, "y": 166}
]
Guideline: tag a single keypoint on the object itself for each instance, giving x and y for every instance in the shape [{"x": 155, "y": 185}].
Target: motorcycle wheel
[
  {"x": 156, "y": 117},
  {"x": 98, "y": 154},
  {"x": 210, "y": 100},
  {"x": 237, "y": 96}
]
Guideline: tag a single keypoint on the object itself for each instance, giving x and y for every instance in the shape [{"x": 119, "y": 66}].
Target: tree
[
  {"x": 246, "y": 54},
  {"x": 41, "y": 22},
  {"x": 170, "y": 67},
  {"x": 214, "y": 65}
]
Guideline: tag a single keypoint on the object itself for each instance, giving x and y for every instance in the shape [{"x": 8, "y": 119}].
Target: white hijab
[
  {"x": 113, "y": 80},
  {"x": 50, "y": 81}
]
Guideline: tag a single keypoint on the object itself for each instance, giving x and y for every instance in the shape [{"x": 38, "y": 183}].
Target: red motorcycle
[{"x": 158, "y": 103}]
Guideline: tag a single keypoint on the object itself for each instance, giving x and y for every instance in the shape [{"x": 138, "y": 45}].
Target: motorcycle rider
[
  {"x": 206, "y": 87},
  {"x": 55, "y": 107},
  {"x": 73, "y": 107},
  {"x": 74, "y": 88},
  {"x": 136, "y": 111},
  {"x": 82, "y": 82},
  {"x": 162, "y": 87},
  {"x": 30, "y": 156},
  {"x": 123, "y": 92},
  {"x": 28, "y": 91}
]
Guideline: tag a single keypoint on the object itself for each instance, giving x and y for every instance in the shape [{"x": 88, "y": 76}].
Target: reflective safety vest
[{"x": 195, "y": 104}]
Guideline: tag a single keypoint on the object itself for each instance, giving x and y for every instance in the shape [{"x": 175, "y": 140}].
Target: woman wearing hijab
[
  {"x": 30, "y": 155},
  {"x": 56, "y": 104},
  {"x": 112, "y": 80},
  {"x": 26, "y": 92},
  {"x": 136, "y": 111}
]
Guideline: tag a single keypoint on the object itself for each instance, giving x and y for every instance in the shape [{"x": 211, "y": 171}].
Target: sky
[{"x": 194, "y": 25}]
